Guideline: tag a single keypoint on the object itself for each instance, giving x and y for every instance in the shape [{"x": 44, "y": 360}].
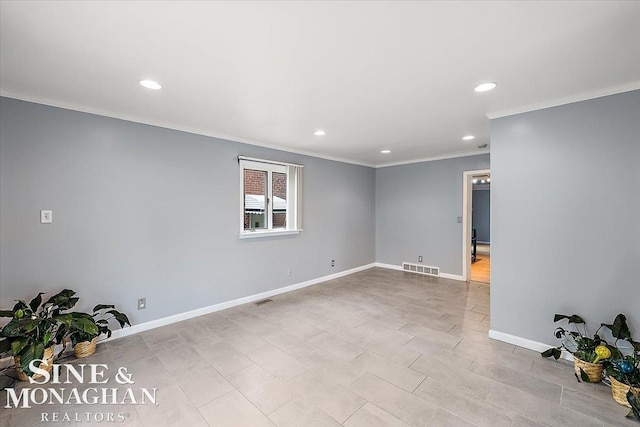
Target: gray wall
[
  {"x": 145, "y": 211},
  {"x": 566, "y": 216},
  {"x": 417, "y": 206},
  {"x": 481, "y": 215}
]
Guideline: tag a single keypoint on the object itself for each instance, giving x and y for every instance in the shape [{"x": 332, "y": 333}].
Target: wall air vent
[{"x": 421, "y": 269}]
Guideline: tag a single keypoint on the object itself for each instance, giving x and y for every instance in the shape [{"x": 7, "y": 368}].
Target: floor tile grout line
[
  {"x": 418, "y": 386},
  {"x": 199, "y": 408},
  {"x": 557, "y": 405},
  {"x": 251, "y": 402},
  {"x": 355, "y": 412},
  {"x": 473, "y": 424},
  {"x": 344, "y": 300}
]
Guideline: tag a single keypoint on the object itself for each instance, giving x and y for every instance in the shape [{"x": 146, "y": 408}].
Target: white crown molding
[
  {"x": 197, "y": 131},
  {"x": 202, "y": 132},
  {"x": 584, "y": 96},
  {"x": 431, "y": 159},
  {"x": 187, "y": 129}
]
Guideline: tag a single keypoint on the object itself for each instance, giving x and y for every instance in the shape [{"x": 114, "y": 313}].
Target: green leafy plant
[
  {"x": 35, "y": 326},
  {"x": 576, "y": 341},
  {"x": 633, "y": 397},
  {"x": 86, "y": 327},
  {"x": 624, "y": 364}
]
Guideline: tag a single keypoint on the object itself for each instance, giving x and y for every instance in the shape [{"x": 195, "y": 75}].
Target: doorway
[{"x": 476, "y": 226}]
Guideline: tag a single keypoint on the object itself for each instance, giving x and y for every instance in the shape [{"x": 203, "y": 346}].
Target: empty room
[{"x": 320, "y": 213}]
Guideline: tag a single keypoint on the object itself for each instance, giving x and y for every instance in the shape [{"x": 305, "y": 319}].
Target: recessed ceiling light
[
  {"x": 319, "y": 133},
  {"x": 150, "y": 84},
  {"x": 468, "y": 137},
  {"x": 385, "y": 151},
  {"x": 485, "y": 87}
]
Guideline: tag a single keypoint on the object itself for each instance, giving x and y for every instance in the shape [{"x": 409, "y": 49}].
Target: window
[{"x": 269, "y": 198}]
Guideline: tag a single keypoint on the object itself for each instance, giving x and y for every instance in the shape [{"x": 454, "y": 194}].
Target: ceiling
[{"x": 372, "y": 75}]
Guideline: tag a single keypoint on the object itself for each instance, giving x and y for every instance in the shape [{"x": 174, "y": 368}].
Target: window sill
[{"x": 255, "y": 234}]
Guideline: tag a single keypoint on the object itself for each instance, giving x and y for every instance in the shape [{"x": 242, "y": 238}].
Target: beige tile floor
[{"x": 376, "y": 348}]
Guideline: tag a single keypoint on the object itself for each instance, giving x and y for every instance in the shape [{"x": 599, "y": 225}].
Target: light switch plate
[
  {"x": 459, "y": 220},
  {"x": 46, "y": 217}
]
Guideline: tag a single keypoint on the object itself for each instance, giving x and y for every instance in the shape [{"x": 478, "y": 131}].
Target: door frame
[{"x": 467, "y": 202}]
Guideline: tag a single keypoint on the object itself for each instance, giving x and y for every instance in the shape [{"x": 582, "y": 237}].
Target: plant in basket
[
  {"x": 623, "y": 369},
  {"x": 84, "y": 329},
  {"x": 633, "y": 397},
  {"x": 588, "y": 353},
  {"x": 34, "y": 329}
]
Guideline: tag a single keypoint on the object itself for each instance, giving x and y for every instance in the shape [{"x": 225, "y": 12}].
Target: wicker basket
[
  {"x": 619, "y": 392},
  {"x": 47, "y": 360},
  {"x": 85, "y": 348},
  {"x": 593, "y": 370}
]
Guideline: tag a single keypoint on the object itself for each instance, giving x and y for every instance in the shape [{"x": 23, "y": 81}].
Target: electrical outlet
[
  {"x": 459, "y": 220},
  {"x": 420, "y": 259},
  {"x": 142, "y": 303},
  {"x": 290, "y": 272},
  {"x": 46, "y": 217},
  {"x": 333, "y": 263}
]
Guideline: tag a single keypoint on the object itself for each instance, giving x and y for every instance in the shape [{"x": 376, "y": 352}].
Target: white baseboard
[
  {"x": 389, "y": 266},
  {"x": 452, "y": 277},
  {"x": 525, "y": 343},
  {"x": 399, "y": 268},
  {"x": 141, "y": 327}
]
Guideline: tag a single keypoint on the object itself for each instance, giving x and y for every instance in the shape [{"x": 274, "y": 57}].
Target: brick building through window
[{"x": 255, "y": 193}]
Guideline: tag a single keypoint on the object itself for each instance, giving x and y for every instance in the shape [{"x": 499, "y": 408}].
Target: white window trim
[
  {"x": 292, "y": 197},
  {"x": 267, "y": 233}
]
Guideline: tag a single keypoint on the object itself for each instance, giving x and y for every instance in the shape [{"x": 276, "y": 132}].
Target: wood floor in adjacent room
[
  {"x": 481, "y": 269},
  {"x": 376, "y": 348}
]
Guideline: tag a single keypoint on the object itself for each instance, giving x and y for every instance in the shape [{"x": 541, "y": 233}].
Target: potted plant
[
  {"x": 633, "y": 397},
  {"x": 84, "y": 329},
  {"x": 623, "y": 369},
  {"x": 34, "y": 329},
  {"x": 588, "y": 353}
]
